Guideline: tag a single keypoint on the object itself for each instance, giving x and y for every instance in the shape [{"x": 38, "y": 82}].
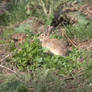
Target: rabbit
[{"x": 55, "y": 46}]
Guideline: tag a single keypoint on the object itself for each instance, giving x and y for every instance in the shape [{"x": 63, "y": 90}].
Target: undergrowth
[
  {"x": 79, "y": 32},
  {"x": 45, "y": 80},
  {"x": 33, "y": 56},
  {"x": 16, "y": 12},
  {"x": 12, "y": 84},
  {"x": 47, "y": 71}
]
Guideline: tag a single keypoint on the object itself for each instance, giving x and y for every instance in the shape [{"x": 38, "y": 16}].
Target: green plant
[
  {"x": 33, "y": 56},
  {"x": 29, "y": 56},
  {"x": 16, "y": 12},
  {"x": 12, "y": 84},
  {"x": 79, "y": 32},
  {"x": 45, "y": 80},
  {"x": 44, "y": 9}
]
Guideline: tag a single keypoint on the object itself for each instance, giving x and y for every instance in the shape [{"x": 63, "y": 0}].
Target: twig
[
  {"x": 74, "y": 44},
  {"x": 4, "y": 66},
  {"x": 51, "y": 9},
  {"x": 5, "y": 57},
  {"x": 8, "y": 69},
  {"x": 3, "y": 45},
  {"x": 44, "y": 8}
]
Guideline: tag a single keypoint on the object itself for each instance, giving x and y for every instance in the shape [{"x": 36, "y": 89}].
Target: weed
[
  {"x": 27, "y": 57},
  {"x": 45, "y": 9},
  {"x": 33, "y": 56},
  {"x": 79, "y": 32},
  {"x": 16, "y": 12},
  {"x": 13, "y": 85}
]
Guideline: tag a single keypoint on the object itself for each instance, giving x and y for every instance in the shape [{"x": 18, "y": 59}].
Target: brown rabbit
[{"x": 55, "y": 46}]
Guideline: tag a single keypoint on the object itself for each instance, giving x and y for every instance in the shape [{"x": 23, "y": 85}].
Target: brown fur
[{"x": 55, "y": 46}]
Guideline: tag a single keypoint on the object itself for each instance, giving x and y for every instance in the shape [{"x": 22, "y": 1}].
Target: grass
[
  {"x": 45, "y": 71},
  {"x": 43, "y": 79},
  {"x": 16, "y": 12},
  {"x": 12, "y": 85},
  {"x": 47, "y": 68},
  {"x": 79, "y": 32},
  {"x": 33, "y": 56}
]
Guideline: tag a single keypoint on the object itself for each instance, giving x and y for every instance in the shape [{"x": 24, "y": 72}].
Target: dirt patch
[
  {"x": 87, "y": 10},
  {"x": 19, "y": 38},
  {"x": 1, "y": 30},
  {"x": 87, "y": 45}
]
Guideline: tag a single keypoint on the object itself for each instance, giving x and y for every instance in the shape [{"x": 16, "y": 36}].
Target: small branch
[
  {"x": 5, "y": 57},
  {"x": 74, "y": 44},
  {"x": 8, "y": 69},
  {"x": 51, "y": 9},
  {"x": 3, "y": 45},
  {"x": 44, "y": 8}
]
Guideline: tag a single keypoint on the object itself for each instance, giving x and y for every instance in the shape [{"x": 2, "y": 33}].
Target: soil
[{"x": 19, "y": 38}]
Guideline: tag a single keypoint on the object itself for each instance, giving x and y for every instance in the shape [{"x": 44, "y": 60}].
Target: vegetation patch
[{"x": 35, "y": 68}]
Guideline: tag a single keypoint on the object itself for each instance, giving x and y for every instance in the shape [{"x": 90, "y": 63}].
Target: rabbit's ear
[{"x": 48, "y": 30}]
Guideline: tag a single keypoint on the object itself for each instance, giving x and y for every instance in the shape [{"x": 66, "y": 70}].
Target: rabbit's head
[
  {"x": 46, "y": 34},
  {"x": 43, "y": 37}
]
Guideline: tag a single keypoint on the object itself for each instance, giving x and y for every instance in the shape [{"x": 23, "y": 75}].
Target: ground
[{"x": 24, "y": 62}]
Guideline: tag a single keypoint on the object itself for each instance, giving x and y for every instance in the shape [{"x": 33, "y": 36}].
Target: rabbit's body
[{"x": 57, "y": 47}]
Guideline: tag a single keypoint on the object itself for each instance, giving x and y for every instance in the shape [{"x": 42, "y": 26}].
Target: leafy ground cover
[{"x": 27, "y": 67}]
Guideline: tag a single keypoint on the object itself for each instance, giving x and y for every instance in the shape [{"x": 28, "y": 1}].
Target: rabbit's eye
[{"x": 42, "y": 35}]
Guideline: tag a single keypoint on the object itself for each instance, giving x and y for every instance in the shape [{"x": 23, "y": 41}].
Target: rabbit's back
[{"x": 58, "y": 47}]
